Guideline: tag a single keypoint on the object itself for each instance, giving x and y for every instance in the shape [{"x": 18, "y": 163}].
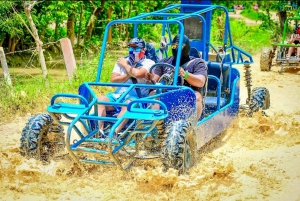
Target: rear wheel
[
  {"x": 179, "y": 150},
  {"x": 42, "y": 138},
  {"x": 266, "y": 59},
  {"x": 260, "y": 98}
]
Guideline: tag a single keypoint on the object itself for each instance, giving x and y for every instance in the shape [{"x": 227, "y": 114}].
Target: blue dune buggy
[{"x": 172, "y": 133}]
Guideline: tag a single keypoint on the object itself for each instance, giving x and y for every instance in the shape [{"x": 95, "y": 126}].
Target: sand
[{"x": 256, "y": 158}]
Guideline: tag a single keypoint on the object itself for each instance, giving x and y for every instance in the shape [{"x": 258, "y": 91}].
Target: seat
[
  {"x": 194, "y": 53},
  {"x": 217, "y": 83},
  {"x": 151, "y": 53},
  {"x": 214, "y": 68}
]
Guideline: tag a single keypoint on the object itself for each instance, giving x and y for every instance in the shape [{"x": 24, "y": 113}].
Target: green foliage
[
  {"x": 9, "y": 21},
  {"x": 251, "y": 14},
  {"x": 250, "y": 38}
]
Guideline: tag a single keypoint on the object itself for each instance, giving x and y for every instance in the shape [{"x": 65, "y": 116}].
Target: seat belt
[
  {"x": 134, "y": 81},
  {"x": 138, "y": 90}
]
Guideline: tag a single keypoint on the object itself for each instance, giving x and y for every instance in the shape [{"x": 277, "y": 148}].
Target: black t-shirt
[{"x": 195, "y": 66}]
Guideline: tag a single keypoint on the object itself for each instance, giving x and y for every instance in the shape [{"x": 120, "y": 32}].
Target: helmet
[
  {"x": 137, "y": 42},
  {"x": 136, "y": 50},
  {"x": 185, "y": 49}
]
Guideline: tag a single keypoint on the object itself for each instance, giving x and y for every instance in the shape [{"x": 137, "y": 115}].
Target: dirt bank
[{"x": 255, "y": 159}]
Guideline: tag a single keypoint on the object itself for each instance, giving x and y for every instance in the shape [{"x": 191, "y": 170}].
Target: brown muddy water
[{"x": 59, "y": 74}]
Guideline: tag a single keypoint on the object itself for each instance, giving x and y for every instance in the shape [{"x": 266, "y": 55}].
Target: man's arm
[
  {"x": 194, "y": 80},
  {"x": 195, "y": 73},
  {"x": 134, "y": 72},
  {"x": 116, "y": 77}
]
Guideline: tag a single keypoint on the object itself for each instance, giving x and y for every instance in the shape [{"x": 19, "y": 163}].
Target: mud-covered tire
[
  {"x": 260, "y": 99},
  {"x": 41, "y": 138},
  {"x": 179, "y": 149},
  {"x": 265, "y": 59}
]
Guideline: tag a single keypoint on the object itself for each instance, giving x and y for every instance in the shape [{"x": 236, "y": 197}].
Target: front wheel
[
  {"x": 260, "y": 98},
  {"x": 179, "y": 150},
  {"x": 42, "y": 138}
]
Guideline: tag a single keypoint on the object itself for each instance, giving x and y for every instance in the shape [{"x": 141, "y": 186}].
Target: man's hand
[
  {"x": 122, "y": 62},
  {"x": 151, "y": 77},
  {"x": 148, "y": 76},
  {"x": 181, "y": 72}
]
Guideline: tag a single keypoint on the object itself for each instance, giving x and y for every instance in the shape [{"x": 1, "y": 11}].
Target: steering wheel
[{"x": 167, "y": 78}]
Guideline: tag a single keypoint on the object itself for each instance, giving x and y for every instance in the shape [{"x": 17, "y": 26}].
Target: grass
[
  {"x": 251, "y": 14},
  {"x": 250, "y": 38},
  {"x": 30, "y": 94}
]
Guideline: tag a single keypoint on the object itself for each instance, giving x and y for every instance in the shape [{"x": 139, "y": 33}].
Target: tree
[
  {"x": 10, "y": 25},
  {"x": 70, "y": 26},
  {"x": 34, "y": 32},
  {"x": 91, "y": 23}
]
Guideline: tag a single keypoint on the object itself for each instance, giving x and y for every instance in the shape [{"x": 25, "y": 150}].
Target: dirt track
[{"x": 255, "y": 159}]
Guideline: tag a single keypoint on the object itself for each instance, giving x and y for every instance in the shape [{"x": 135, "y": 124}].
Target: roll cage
[{"x": 176, "y": 14}]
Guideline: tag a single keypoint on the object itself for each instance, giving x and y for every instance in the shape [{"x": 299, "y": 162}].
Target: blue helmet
[{"x": 137, "y": 42}]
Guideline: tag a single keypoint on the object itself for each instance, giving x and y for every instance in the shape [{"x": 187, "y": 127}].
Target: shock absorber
[{"x": 248, "y": 81}]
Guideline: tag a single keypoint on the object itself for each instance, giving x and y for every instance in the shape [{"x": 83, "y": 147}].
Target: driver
[
  {"x": 127, "y": 70},
  {"x": 195, "y": 73}
]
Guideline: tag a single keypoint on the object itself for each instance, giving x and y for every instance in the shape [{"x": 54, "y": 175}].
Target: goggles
[
  {"x": 175, "y": 46},
  {"x": 134, "y": 48}
]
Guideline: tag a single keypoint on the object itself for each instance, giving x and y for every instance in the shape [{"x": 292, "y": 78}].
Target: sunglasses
[{"x": 135, "y": 49}]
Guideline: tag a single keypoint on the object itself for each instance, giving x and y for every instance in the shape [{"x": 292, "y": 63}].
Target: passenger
[
  {"x": 195, "y": 73},
  {"x": 127, "y": 70},
  {"x": 294, "y": 39}
]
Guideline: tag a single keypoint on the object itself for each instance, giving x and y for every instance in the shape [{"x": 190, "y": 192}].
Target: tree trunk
[
  {"x": 2, "y": 41},
  {"x": 42, "y": 35},
  {"x": 27, "y": 9},
  {"x": 4, "y": 67},
  {"x": 9, "y": 43},
  {"x": 221, "y": 24},
  {"x": 70, "y": 27},
  {"x": 127, "y": 29},
  {"x": 56, "y": 29},
  {"x": 90, "y": 28},
  {"x": 80, "y": 23},
  {"x": 282, "y": 18},
  {"x": 166, "y": 3},
  {"x": 91, "y": 23},
  {"x": 120, "y": 25},
  {"x": 14, "y": 43},
  {"x": 109, "y": 38}
]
